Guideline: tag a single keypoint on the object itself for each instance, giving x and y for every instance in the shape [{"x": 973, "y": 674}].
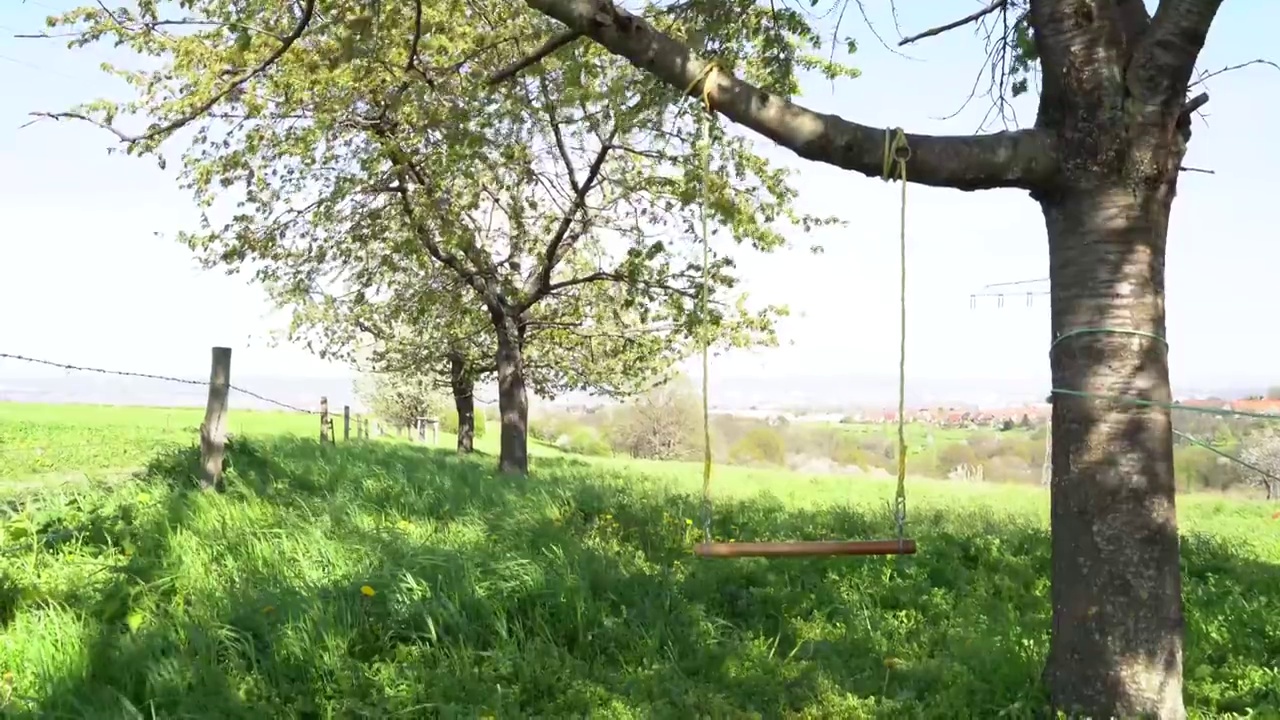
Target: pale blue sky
[{"x": 84, "y": 278}]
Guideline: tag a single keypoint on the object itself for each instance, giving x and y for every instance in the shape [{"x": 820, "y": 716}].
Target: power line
[
  {"x": 1014, "y": 282},
  {"x": 151, "y": 376}
]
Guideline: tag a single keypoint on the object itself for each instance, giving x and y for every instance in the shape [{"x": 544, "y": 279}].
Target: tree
[
  {"x": 359, "y": 138},
  {"x": 1263, "y": 453},
  {"x": 1102, "y": 160},
  {"x": 662, "y": 424},
  {"x": 400, "y": 399},
  {"x": 421, "y": 325}
]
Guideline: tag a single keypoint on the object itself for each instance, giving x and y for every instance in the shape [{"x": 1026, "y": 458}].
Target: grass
[{"x": 382, "y": 579}]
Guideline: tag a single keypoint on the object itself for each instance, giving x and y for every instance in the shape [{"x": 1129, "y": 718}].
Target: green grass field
[{"x": 382, "y": 579}]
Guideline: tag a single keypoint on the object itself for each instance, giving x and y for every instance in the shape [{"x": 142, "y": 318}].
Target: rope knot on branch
[{"x": 896, "y": 151}]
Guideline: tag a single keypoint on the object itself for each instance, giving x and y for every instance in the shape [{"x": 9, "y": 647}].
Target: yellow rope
[
  {"x": 896, "y": 150},
  {"x": 707, "y": 77}
]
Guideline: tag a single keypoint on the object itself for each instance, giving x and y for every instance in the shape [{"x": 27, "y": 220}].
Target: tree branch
[
  {"x": 1204, "y": 77},
  {"x": 1024, "y": 158},
  {"x": 308, "y": 12},
  {"x": 1162, "y": 63},
  {"x": 541, "y": 280},
  {"x": 996, "y": 5},
  {"x": 551, "y": 45}
]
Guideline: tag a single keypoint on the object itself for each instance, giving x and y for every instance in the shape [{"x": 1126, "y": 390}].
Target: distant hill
[
  {"x": 98, "y": 389},
  {"x": 811, "y": 393}
]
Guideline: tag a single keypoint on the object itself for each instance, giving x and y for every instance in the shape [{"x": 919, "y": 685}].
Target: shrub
[
  {"x": 584, "y": 440},
  {"x": 760, "y": 445},
  {"x": 953, "y": 455},
  {"x": 1194, "y": 467}
]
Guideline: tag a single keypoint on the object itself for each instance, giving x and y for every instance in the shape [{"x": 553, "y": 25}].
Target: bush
[
  {"x": 955, "y": 454},
  {"x": 762, "y": 445},
  {"x": 1011, "y": 468},
  {"x": 1194, "y": 467},
  {"x": 584, "y": 440}
]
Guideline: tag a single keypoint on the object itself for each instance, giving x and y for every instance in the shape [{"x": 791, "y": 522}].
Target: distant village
[{"x": 1030, "y": 415}]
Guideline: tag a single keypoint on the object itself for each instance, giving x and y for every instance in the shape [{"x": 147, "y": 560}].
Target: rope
[
  {"x": 1103, "y": 330},
  {"x": 897, "y": 151},
  {"x": 707, "y": 77},
  {"x": 1219, "y": 412},
  {"x": 1123, "y": 400}
]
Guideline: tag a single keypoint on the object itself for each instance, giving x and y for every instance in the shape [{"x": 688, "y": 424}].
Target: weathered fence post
[
  {"x": 346, "y": 423},
  {"x": 213, "y": 432},
  {"x": 324, "y": 420}
]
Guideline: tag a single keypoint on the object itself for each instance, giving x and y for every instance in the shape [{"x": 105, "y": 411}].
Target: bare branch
[
  {"x": 1024, "y": 158},
  {"x": 308, "y": 12},
  {"x": 970, "y": 18},
  {"x": 1230, "y": 68},
  {"x": 554, "y": 43}
]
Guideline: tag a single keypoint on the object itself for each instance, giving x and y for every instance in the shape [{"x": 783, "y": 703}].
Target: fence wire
[{"x": 152, "y": 376}]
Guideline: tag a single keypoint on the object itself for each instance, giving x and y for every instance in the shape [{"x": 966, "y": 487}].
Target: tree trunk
[
  {"x": 513, "y": 400},
  {"x": 464, "y": 400},
  {"x": 1115, "y": 538}
]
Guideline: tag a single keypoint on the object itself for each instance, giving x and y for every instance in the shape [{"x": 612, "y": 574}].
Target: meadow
[{"x": 386, "y": 579}]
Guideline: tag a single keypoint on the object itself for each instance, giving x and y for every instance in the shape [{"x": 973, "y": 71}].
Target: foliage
[
  {"x": 378, "y": 175},
  {"x": 425, "y": 583},
  {"x": 402, "y": 398},
  {"x": 761, "y": 445}
]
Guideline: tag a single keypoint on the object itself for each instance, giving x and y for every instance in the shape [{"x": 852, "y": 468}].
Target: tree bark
[
  {"x": 1114, "y": 525},
  {"x": 513, "y": 399},
  {"x": 464, "y": 401}
]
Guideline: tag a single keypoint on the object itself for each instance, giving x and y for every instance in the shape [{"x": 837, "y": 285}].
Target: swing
[{"x": 896, "y": 151}]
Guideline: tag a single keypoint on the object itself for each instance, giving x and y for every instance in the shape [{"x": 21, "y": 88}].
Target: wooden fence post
[
  {"x": 346, "y": 423},
  {"x": 324, "y": 420},
  {"x": 213, "y": 432}
]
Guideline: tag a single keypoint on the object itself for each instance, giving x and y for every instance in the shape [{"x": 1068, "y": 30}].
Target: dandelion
[{"x": 367, "y": 591}]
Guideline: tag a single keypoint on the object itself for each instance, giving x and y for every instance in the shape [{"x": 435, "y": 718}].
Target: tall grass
[{"x": 375, "y": 579}]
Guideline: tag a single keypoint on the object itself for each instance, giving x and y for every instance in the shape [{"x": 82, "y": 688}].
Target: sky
[{"x": 90, "y": 273}]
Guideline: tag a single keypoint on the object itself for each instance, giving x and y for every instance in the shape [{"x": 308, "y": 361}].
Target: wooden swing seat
[{"x": 815, "y": 548}]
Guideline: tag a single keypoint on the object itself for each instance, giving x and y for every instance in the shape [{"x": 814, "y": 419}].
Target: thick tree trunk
[
  {"x": 513, "y": 400},
  {"x": 464, "y": 401},
  {"x": 1116, "y": 647}
]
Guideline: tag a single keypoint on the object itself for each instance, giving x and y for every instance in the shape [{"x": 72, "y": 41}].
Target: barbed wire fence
[{"x": 36, "y": 447}]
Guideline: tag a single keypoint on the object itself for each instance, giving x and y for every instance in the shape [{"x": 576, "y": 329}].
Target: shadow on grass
[{"x": 382, "y": 579}]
